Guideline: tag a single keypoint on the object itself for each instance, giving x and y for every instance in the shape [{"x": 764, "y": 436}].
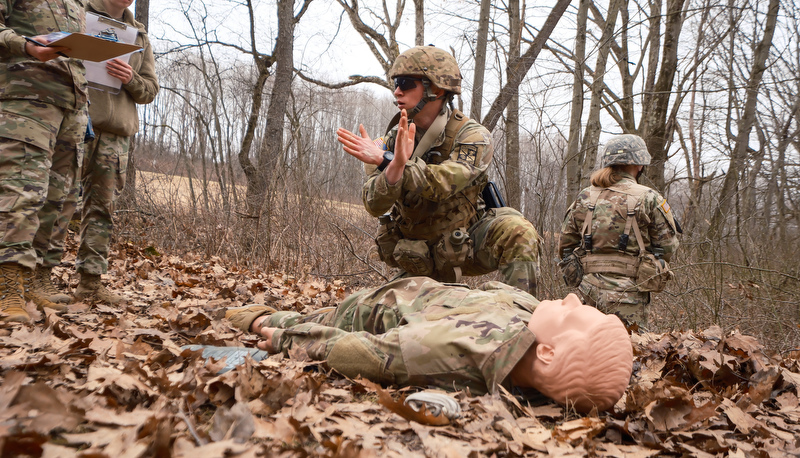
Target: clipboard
[{"x": 91, "y": 48}]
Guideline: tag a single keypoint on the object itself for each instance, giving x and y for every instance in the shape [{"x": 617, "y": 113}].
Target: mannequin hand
[{"x": 266, "y": 344}]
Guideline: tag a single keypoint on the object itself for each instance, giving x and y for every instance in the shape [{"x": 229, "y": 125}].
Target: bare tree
[
  {"x": 574, "y": 152},
  {"x": 419, "y": 22},
  {"x": 744, "y": 125},
  {"x": 520, "y": 67},
  {"x": 591, "y": 137},
  {"x": 512, "y": 168},
  {"x": 480, "y": 60}
]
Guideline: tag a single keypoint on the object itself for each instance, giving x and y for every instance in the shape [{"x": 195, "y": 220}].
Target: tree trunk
[
  {"x": 744, "y": 126},
  {"x": 520, "y": 68},
  {"x": 419, "y": 22},
  {"x": 574, "y": 153},
  {"x": 655, "y": 129},
  {"x": 591, "y": 138},
  {"x": 142, "y": 12},
  {"x": 480, "y": 61},
  {"x": 512, "y": 171}
]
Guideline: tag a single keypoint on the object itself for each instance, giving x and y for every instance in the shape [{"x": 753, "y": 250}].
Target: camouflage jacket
[
  {"x": 653, "y": 214},
  {"x": 60, "y": 81},
  {"x": 447, "y": 336},
  {"x": 435, "y": 186},
  {"x": 117, "y": 113}
]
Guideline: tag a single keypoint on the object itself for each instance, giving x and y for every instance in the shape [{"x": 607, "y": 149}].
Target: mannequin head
[{"x": 582, "y": 358}]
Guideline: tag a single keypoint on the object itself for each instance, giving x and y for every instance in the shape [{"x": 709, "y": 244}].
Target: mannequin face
[
  {"x": 551, "y": 320},
  {"x": 581, "y": 357}
]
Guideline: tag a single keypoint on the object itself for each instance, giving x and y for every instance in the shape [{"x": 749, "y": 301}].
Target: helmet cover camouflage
[
  {"x": 439, "y": 66},
  {"x": 625, "y": 149}
]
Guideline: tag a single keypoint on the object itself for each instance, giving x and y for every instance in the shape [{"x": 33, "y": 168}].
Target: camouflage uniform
[
  {"x": 439, "y": 225},
  {"x": 416, "y": 331},
  {"x": 42, "y": 124},
  {"x": 440, "y": 193},
  {"x": 612, "y": 293},
  {"x": 115, "y": 119}
]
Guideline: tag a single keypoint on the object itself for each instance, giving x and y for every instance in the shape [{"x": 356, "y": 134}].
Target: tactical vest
[
  {"x": 621, "y": 262},
  {"x": 650, "y": 274},
  {"x": 428, "y": 220}
]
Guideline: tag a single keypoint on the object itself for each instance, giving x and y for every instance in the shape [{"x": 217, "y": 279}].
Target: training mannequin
[{"x": 416, "y": 331}]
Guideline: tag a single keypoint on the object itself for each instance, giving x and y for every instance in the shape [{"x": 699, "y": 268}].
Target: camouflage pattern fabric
[
  {"x": 115, "y": 118},
  {"x": 39, "y": 149},
  {"x": 416, "y": 331},
  {"x": 625, "y": 149},
  {"x": 102, "y": 181},
  {"x": 435, "y": 64},
  {"x": 613, "y": 293},
  {"x": 440, "y": 193},
  {"x": 60, "y": 81},
  {"x": 42, "y": 124}
]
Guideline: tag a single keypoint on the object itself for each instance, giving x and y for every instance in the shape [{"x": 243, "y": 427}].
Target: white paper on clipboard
[{"x": 96, "y": 73}]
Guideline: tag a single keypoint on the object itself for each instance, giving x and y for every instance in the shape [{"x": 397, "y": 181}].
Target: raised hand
[
  {"x": 360, "y": 147},
  {"x": 403, "y": 149}
]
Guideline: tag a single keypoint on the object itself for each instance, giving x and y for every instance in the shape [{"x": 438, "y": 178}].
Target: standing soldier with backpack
[
  {"x": 618, "y": 235},
  {"x": 433, "y": 219}
]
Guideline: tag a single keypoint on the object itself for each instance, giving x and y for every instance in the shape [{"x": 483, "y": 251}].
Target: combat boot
[
  {"x": 12, "y": 302},
  {"x": 33, "y": 294},
  {"x": 43, "y": 285},
  {"x": 91, "y": 288}
]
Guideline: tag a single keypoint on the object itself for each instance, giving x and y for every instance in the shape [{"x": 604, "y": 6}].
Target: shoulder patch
[
  {"x": 666, "y": 210},
  {"x": 665, "y": 207},
  {"x": 468, "y": 153}
]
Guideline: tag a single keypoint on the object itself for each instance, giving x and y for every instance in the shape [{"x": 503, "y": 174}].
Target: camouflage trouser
[
  {"x": 374, "y": 325},
  {"x": 416, "y": 331},
  {"x": 40, "y": 146},
  {"x": 504, "y": 240},
  {"x": 631, "y": 307},
  {"x": 102, "y": 181}
]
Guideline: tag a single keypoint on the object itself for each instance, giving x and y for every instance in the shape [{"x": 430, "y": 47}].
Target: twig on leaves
[{"x": 183, "y": 416}]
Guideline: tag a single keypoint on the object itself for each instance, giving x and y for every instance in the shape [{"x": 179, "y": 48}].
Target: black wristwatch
[{"x": 387, "y": 158}]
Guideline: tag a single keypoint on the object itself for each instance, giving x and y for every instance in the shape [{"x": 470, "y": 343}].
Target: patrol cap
[
  {"x": 625, "y": 149},
  {"x": 435, "y": 64}
]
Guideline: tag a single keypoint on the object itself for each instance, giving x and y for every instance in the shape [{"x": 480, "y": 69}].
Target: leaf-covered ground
[{"x": 100, "y": 381}]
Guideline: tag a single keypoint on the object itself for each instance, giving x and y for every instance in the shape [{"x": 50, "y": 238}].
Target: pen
[{"x": 31, "y": 40}]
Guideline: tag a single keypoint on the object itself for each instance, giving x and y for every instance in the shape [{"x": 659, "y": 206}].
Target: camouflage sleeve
[
  {"x": 378, "y": 195},
  {"x": 661, "y": 224},
  {"x": 144, "y": 85},
  {"x": 572, "y": 225},
  {"x": 10, "y": 41},
  {"x": 470, "y": 158}
]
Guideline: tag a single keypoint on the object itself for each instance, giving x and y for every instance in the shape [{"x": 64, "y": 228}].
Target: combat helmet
[
  {"x": 433, "y": 65},
  {"x": 626, "y": 149}
]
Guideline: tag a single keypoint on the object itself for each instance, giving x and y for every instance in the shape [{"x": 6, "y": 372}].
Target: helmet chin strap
[{"x": 429, "y": 96}]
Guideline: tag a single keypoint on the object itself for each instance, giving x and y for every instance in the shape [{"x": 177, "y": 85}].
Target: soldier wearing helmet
[
  {"x": 425, "y": 178},
  {"x": 618, "y": 236}
]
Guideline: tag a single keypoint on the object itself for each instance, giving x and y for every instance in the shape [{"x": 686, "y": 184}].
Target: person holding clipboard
[
  {"x": 114, "y": 120},
  {"x": 43, "y": 118}
]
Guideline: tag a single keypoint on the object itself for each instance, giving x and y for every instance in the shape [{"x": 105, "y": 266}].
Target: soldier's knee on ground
[
  {"x": 352, "y": 358},
  {"x": 243, "y": 317},
  {"x": 631, "y": 308}
]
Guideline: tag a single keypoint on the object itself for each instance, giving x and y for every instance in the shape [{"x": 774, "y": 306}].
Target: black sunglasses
[{"x": 406, "y": 83}]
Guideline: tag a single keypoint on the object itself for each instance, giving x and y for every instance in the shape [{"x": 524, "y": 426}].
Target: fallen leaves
[{"x": 106, "y": 381}]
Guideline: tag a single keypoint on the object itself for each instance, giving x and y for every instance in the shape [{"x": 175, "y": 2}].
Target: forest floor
[{"x": 102, "y": 381}]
